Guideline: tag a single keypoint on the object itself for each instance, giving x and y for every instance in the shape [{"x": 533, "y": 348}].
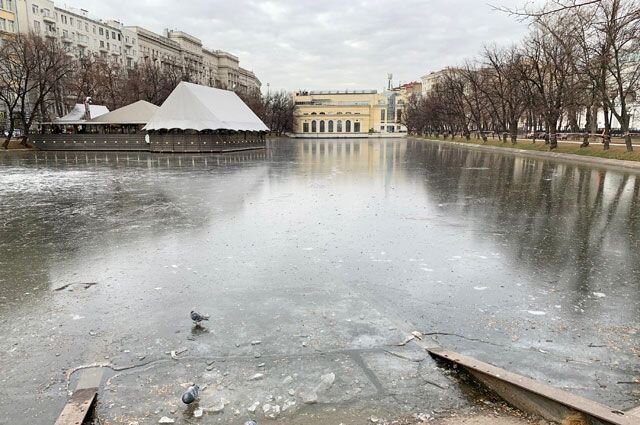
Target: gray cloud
[{"x": 328, "y": 44}]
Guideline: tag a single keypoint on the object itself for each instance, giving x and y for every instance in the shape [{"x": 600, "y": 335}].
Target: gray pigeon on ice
[
  {"x": 191, "y": 394},
  {"x": 197, "y": 317}
]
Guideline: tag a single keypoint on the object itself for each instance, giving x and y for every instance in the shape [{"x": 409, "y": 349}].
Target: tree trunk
[
  {"x": 585, "y": 140},
  {"x": 627, "y": 141},
  {"x": 606, "y": 134},
  {"x": 553, "y": 140}
]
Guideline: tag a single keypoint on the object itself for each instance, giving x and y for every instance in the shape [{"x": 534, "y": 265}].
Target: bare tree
[
  {"x": 32, "y": 68},
  {"x": 548, "y": 64}
]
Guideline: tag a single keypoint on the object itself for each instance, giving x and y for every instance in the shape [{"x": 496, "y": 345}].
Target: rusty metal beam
[
  {"x": 532, "y": 396},
  {"x": 78, "y": 407}
]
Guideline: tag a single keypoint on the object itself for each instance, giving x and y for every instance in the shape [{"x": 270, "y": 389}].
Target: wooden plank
[
  {"x": 78, "y": 407},
  {"x": 532, "y": 396}
]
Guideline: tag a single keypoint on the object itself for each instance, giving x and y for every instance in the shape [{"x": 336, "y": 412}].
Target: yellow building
[
  {"x": 8, "y": 16},
  {"x": 350, "y": 113}
]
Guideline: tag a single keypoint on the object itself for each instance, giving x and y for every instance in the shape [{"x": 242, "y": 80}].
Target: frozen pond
[{"x": 313, "y": 259}]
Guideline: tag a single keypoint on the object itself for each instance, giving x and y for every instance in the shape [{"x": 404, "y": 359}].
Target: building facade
[
  {"x": 84, "y": 36},
  {"x": 349, "y": 113}
]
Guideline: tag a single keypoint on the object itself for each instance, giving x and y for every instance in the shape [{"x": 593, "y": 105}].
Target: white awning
[
  {"x": 139, "y": 112},
  {"x": 194, "y": 107},
  {"x": 76, "y": 115}
]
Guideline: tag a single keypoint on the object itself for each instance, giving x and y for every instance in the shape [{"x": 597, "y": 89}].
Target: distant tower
[{"x": 390, "y": 78}]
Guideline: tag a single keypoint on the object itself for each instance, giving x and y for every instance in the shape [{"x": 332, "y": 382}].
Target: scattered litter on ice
[
  {"x": 480, "y": 288},
  {"x": 77, "y": 317},
  {"x": 599, "y": 295}
]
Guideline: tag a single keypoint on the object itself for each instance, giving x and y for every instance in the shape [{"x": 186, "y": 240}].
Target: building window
[
  {"x": 314, "y": 128},
  {"x": 321, "y": 126},
  {"x": 101, "y": 43},
  {"x": 71, "y": 21},
  {"x": 305, "y": 127},
  {"x": 36, "y": 26},
  {"x": 34, "y": 8},
  {"x": 339, "y": 126},
  {"x": 101, "y": 31},
  {"x": 347, "y": 126},
  {"x": 119, "y": 37},
  {"x": 3, "y": 25},
  {"x": 113, "y": 35},
  {"x": 356, "y": 127},
  {"x": 399, "y": 114},
  {"x": 382, "y": 114},
  {"x": 330, "y": 126}
]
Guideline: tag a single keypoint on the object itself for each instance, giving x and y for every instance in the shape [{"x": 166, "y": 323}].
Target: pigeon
[
  {"x": 191, "y": 394},
  {"x": 251, "y": 423},
  {"x": 197, "y": 317}
]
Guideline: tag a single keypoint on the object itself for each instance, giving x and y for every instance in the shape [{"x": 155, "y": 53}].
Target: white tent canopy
[
  {"x": 194, "y": 107},
  {"x": 139, "y": 112},
  {"x": 76, "y": 115}
]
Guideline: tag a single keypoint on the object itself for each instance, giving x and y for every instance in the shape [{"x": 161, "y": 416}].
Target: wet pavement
[{"x": 313, "y": 259}]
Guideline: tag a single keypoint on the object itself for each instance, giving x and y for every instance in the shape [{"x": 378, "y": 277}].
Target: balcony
[
  {"x": 83, "y": 41},
  {"x": 50, "y": 33},
  {"x": 66, "y": 39},
  {"x": 47, "y": 17},
  {"x": 128, "y": 43}
]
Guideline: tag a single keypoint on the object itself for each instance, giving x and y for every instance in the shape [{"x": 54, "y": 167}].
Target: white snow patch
[
  {"x": 599, "y": 295},
  {"x": 480, "y": 288},
  {"x": 536, "y": 313}
]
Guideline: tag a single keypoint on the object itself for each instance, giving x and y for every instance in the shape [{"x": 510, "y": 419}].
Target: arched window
[
  {"x": 313, "y": 113},
  {"x": 321, "y": 113},
  {"x": 314, "y": 126},
  {"x": 339, "y": 125},
  {"x": 321, "y": 126},
  {"x": 330, "y": 126},
  {"x": 356, "y": 127},
  {"x": 347, "y": 126}
]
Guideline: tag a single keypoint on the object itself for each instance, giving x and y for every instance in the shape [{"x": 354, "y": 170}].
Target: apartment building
[
  {"x": 81, "y": 35},
  {"x": 8, "y": 20},
  {"x": 84, "y": 36}
]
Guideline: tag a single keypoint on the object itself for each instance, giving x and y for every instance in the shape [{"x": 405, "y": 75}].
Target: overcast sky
[{"x": 328, "y": 44}]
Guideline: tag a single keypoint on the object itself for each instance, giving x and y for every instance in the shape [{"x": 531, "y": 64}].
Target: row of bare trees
[
  {"x": 274, "y": 109},
  {"x": 579, "y": 58}
]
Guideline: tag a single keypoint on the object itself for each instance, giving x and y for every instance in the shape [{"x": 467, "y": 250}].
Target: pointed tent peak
[
  {"x": 194, "y": 107},
  {"x": 77, "y": 113},
  {"x": 139, "y": 112}
]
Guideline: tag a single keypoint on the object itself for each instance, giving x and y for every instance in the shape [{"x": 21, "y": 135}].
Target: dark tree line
[{"x": 579, "y": 58}]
